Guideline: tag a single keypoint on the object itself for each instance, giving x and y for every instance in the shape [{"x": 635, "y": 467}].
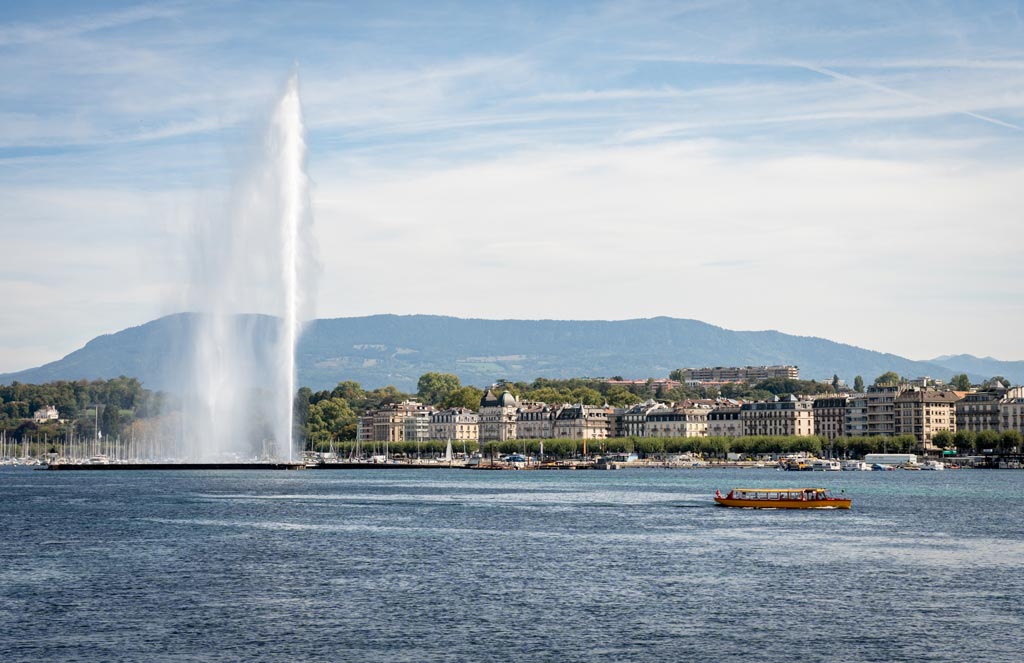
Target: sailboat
[{"x": 448, "y": 453}]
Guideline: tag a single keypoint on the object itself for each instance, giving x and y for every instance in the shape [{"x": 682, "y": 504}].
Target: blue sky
[{"x": 845, "y": 170}]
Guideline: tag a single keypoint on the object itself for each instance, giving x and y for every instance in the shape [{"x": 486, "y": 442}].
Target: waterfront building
[
  {"x": 497, "y": 417},
  {"x": 683, "y": 420},
  {"x": 634, "y": 419},
  {"x": 582, "y": 422},
  {"x": 924, "y": 412},
  {"x": 536, "y": 421},
  {"x": 615, "y": 415},
  {"x": 1011, "y": 410},
  {"x": 830, "y": 416},
  {"x": 782, "y": 416},
  {"x": 738, "y": 373},
  {"x": 724, "y": 421},
  {"x": 400, "y": 422},
  {"x": 980, "y": 410},
  {"x": 457, "y": 424},
  {"x": 882, "y": 408},
  {"x": 856, "y": 416},
  {"x": 364, "y": 428}
]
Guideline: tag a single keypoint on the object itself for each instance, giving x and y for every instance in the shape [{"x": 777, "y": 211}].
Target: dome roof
[{"x": 507, "y": 400}]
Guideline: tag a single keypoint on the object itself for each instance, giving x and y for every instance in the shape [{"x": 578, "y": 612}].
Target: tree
[
  {"x": 467, "y": 397},
  {"x": 961, "y": 382},
  {"x": 987, "y": 439},
  {"x": 434, "y": 388},
  {"x": 110, "y": 421},
  {"x": 835, "y": 381},
  {"x": 889, "y": 377},
  {"x": 965, "y": 441},
  {"x": 332, "y": 418},
  {"x": 944, "y": 439},
  {"x": 1010, "y": 440},
  {"x": 858, "y": 384},
  {"x": 351, "y": 391}
]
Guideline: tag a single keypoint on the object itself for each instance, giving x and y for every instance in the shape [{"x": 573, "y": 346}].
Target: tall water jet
[{"x": 252, "y": 286}]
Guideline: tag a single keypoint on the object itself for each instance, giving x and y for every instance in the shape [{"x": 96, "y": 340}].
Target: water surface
[{"x": 450, "y": 565}]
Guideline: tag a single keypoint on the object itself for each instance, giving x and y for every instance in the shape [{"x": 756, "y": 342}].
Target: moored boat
[{"x": 782, "y": 498}]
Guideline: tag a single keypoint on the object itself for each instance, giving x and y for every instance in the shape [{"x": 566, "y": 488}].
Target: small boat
[
  {"x": 933, "y": 465},
  {"x": 826, "y": 465},
  {"x": 782, "y": 498}
]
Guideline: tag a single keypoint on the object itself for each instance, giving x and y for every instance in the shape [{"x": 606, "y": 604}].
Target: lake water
[{"x": 455, "y": 565}]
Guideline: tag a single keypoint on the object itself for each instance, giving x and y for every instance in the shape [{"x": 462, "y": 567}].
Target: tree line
[{"x": 119, "y": 401}]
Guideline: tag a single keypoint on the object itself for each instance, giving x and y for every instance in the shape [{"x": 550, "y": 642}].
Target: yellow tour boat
[{"x": 782, "y": 498}]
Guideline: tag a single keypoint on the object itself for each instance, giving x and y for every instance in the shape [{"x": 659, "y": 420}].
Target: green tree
[
  {"x": 351, "y": 391},
  {"x": 961, "y": 382},
  {"x": 1010, "y": 440},
  {"x": 858, "y": 384},
  {"x": 331, "y": 419},
  {"x": 110, "y": 421},
  {"x": 434, "y": 388},
  {"x": 889, "y": 377},
  {"x": 467, "y": 397},
  {"x": 944, "y": 439},
  {"x": 965, "y": 441},
  {"x": 987, "y": 439},
  {"x": 835, "y": 381}
]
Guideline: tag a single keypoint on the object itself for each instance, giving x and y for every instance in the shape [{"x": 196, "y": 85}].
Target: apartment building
[
  {"x": 830, "y": 416},
  {"x": 924, "y": 412},
  {"x": 536, "y": 421},
  {"x": 787, "y": 416},
  {"x": 980, "y": 410},
  {"x": 685, "y": 420},
  {"x": 856, "y": 416},
  {"x": 582, "y": 422},
  {"x": 725, "y": 421},
  {"x": 738, "y": 373},
  {"x": 400, "y": 422},
  {"x": 881, "y": 408},
  {"x": 456, "y": 424},
  {"x": 634, "y": 419}
]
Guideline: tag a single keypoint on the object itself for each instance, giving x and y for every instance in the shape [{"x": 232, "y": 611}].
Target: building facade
[
  {"x": 457, "y": 424},
  {"x": 634, "y": 419},
  {"x": 725, "y": 422},
  {"x": 536, "y": 421},
  {"x": 980, "y": 410},
  {"x": 1011, "y": 410},
  {"x": 739, "y": 373},
  {"x": 830, "y": 416},
  {"x": 679, "y": 421},
  {"x": 497, "y": 417},
  {"x": 779, "y": 417},
  {"x": 400, "y": 422},
  {"x": 582, "y": 422},
  {"x": 881, "y": 409},
  {"x": 924, "y": 412}
]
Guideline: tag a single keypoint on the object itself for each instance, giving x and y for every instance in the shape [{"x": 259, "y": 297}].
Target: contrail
[{"x": 906, "y": 95}]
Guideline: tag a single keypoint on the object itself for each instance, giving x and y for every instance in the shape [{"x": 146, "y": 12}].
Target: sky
[{"x": 848, "y": 170}]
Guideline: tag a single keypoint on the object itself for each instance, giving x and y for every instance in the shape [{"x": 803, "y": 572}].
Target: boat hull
[{"x": 785, "y": 504}]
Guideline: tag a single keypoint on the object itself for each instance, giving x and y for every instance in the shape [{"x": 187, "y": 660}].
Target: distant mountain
[
  {"x": 391, "y": 349},
  {"x": 982, "y": 368}
]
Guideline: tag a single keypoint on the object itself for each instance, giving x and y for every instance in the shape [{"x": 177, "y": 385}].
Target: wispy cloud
[{"x": 632, "y": 142}]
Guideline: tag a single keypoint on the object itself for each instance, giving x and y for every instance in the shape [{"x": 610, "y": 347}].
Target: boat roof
[{"x": 778, "y": 490}]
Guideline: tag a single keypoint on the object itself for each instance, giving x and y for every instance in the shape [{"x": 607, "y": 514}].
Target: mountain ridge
[{"x": 382, "y": 349}]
